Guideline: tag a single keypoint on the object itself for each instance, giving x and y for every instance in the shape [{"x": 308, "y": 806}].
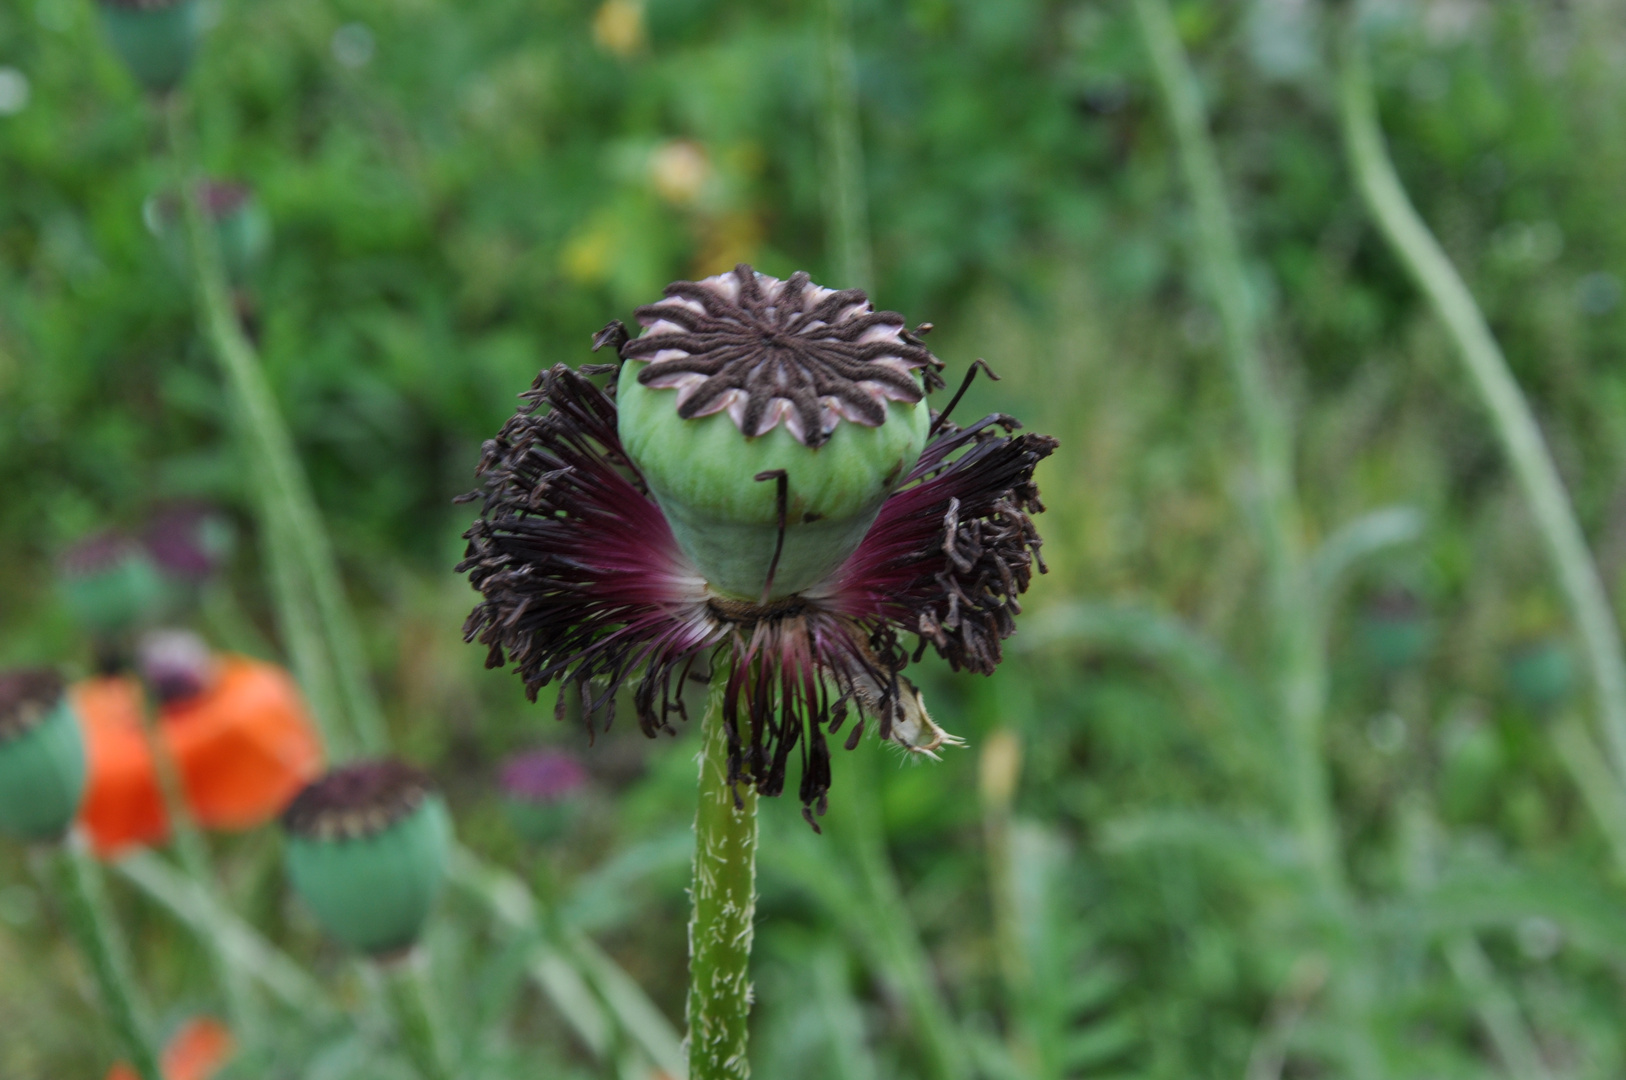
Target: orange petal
[
  {"x": 198, "y": 1050},
  {"x": 123, "y": 806},
  {"x": 245, "y": 747}
]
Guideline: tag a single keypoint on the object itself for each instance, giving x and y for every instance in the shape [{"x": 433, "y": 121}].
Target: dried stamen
[{"x": 27, "y": 696}]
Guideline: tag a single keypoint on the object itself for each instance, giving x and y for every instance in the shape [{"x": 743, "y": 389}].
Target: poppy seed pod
[
  {"x": 1394, "y": 630},
  {"x": 540, "y": 792},
  {"x": 111, "y": 584},
  {"x": 155, "y": 38},
  {"x": 366, "y": 850},
  {"x": 242, "y": 228},
  {"x": 1541, "y": 673},
  {"x": 742, "y": 377},
  {"x": 761, "y": 497},
  {"x": 42, "y": 757}
]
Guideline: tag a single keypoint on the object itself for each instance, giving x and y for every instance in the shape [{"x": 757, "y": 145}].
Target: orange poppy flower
[
  {"x": 244, "y": 747},
  {"x": 197, "y": 1052}
]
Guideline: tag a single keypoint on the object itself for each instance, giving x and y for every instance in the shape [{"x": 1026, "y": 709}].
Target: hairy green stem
[
  {"x": 1295, "y": 619},
  {"x": 724, "y": 895},
  {"x": 416, "y": 1015},
  {"x": 97, "y": 935},
  {"x": 1510, "y": 413},
  {"x": 241, "y": 1008},
  {"x": 312, "y": 610}
]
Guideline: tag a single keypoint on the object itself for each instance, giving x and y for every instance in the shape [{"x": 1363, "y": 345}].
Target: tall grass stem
[
  {"x": 1295, "y": 617},
  {"x": 417, "y": 1015},
  {"x": 1511, "y": 416},
  {"x": 724, "y": 897},
  {"x": 312, "y": 610},
  {"x": 98, "y": 937},
  {"x": 242, "y": 1009}
]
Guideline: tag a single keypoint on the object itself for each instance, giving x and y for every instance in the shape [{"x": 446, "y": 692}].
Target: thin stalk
[
  {"x": 416, "y": 1015},
  {"x": 1498, "y": 1011},
  {"x": 900, "y": 955},
  {"x": 98, "y": 936},
  {"x": 1598, "y": 786},
  {"x": 896, "y": 941},
  {"x": 312, "y": 609},
  {"x": 847, "y": 209},
  {"x": 243, "y": 945},
  {"x": 241, "y": 1009},
  {"x": 1295, "y": 620},
  {"x": 1487, "y": 368},
  {"x": 724, "y": 894}
]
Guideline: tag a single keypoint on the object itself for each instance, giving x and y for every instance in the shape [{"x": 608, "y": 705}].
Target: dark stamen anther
[
  {"x": 782, "y": 496},
  {"x": 614, "y": 335},
  {"x": 970, "y": 374}
]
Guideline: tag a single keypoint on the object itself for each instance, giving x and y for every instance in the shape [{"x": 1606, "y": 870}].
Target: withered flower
[{"x": 763, "y": 496}]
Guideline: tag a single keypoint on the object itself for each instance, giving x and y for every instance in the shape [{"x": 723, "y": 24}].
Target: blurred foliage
[{"x": 463, "y": 193}]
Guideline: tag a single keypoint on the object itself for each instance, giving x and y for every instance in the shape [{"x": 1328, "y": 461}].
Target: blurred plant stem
[
  {"x": 1295, "y": 619},
  {"x": 590, "y": 991},
  {"x": 242, "y": 1010},
  {"x": 896, "y": 947},
  {"x": 97, "y": 935},
  {"x": 417, "y": 1017},
  {"x": 1515, "y": 424},
  {"x": 1497, "y": 1009},
  {"x": 201, "y": 910},
  {"x": 1589, "y": 768},
  {"x": 724, "y": 896},
  {"x": 317, "y": 624},
  {"x": 846, "y": 207}
]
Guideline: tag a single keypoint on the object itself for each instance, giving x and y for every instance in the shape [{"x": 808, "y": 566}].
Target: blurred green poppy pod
[
  {"x": 1393, "y": 630},
  {"x": 366, "y": 850},
  {"x": 155, "y": 38},
  {"x": 42, "y": 757},
  {"x": 1541, "y": 673},
  {"x": 242, "y": 226},
  {"x": 748, "y": 399},
  {"x": 111, "y": 584},
  {"x": 541, "y": 793}
]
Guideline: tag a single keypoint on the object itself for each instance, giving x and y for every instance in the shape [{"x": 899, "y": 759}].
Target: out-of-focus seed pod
[
  {"x": 156, "y": 39},
  {"x": 241, "y": 224},
  {"x": 541, "y": 793},
  {"x": 244, "y": 745},
  {"x": 189, "y": 542},
  {"x": 366, "y": 850},
  {"x": 111, "y": 585},
  {"x": 1394, "y": 631},
  {"x": 1541, "y": 673},
  {"x": 42, "y": 757}
]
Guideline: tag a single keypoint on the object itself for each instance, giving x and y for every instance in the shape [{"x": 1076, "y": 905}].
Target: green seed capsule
[
  {"x": 156, "y": 39},
  {"x": 42, "y": 757},
  {"x": 742, "y": 378},
  {"x": 366, "y": 851},
  {"x": 112, "y": 585}
]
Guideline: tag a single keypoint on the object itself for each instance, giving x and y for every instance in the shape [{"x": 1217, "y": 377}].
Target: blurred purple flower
[
  {"x": 542, "y": 776},
  {"x": 189, "y": 541}
]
